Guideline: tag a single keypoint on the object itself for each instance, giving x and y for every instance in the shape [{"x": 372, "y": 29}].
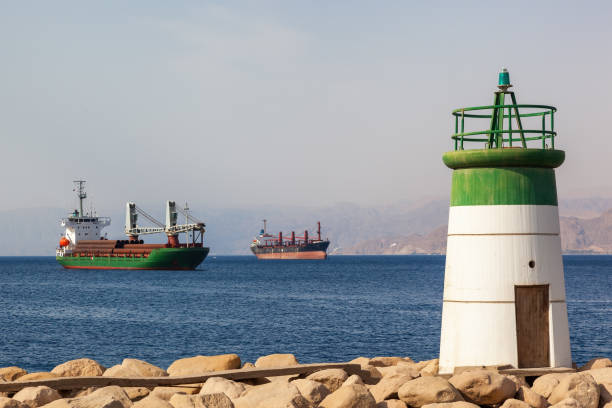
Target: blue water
[{"x": 331, "y": 310}]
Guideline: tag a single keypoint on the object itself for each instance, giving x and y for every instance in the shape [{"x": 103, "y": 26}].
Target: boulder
[
  {"x": 428, "y": 390},
  {"x": 42, "y": 375},
  {"x": 579, "y": 386},
  {"x": 119, "y": 371},
  {"x": 387, "y": 361},
  {"x": 152, "y": 402},
  {"x": 276, "y": 360},
  {"x": 82, "y": 367},
  {"x": 166, "y": 393},
  {"x": 216, "y": 385},
  {"x": 518, "y": 381},
  {"x": 362, "y": 361},
  {"x": 136, "y": 393},
  {"x": 388, "y": 387},
  {"x": 514, "y": 403},
  {"x": 37, "y": 396},
  {"x": 332, "y": 378},
  {"x": 353, "y": 379},
  {"x": 532, "y": 398},
  {"x": 80, "y": 392},
  {"x": 313, "y": 391},
  {"x": 595, "y": 363},
  {"x": 218, "y": 400},
  {"x": 275, "y": 393},
  {"x": 457, "y": 404},
  {"x": 11, "y": 403},
  {"x": 408, "y": 370},
  {"x": 202, "y": 364},
  {"x": 107, "y": 397},
  {"x": 350, "y": 396},
  {"x": 483, "y": 387},
  {"x": 142, "y": 368},
  {"x": 567, "y": 403},
  {"x": 545, "y": 384},
  {"x": 391, "y": 404},
  {"x": 11, "y": 373},
  {"x": 431, "y": 368},
  {"x": 601, "y": 375}
]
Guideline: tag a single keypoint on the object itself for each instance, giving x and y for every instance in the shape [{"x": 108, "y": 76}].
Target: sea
[{"x": 321, "y": 311}]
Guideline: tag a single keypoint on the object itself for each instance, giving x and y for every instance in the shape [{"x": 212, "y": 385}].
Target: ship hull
[
  {"x": 158, "y": 259},
  {"x": 316, "y": 250}
]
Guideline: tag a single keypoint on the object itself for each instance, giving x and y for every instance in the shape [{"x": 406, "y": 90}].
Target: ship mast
[{"x": 79, "y": 187}]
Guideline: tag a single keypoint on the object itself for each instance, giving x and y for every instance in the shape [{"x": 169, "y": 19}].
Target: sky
[{"x": 236, "y": 104}]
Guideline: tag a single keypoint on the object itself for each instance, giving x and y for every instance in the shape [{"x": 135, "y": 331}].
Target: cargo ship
[
  {"x": 269, "y": 246},
  {"x": 82, "y": 246}
]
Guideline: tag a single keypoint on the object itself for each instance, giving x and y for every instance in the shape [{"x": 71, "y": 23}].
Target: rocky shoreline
[{"x": 385, "y": 382}]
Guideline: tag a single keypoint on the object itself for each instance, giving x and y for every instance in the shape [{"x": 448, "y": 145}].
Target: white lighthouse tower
[{"x": 504, "y": 291}]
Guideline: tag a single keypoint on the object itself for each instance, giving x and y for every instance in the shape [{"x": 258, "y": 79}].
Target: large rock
[
  {"x": 595, "y": 363},
  {"x": 107, "y": 397},
  {"x": 579, "y": 386},
  {"x": 313, "y": 391},
  {"x": 428, "y": 390},
  {"x": 274, "y": 393},
  {"x": 350, "y": 396},
  {"x": 37, "y": 396},
  {"x": 136, "y": 393},
  {"x": 388, "y": 387},
  {"x": 457, "y": 404},
  {"x": 353, "y": 379},
  {"x": 276, "y": 360},
  {"x": 219, "y": 400},
  {"x": 483, "y": 387},
  {"x": 532, "y": 398},
  {"x": 11, "y": 403},
  {"x": 332, "y": 378},
  {"x": 152, "y": 402},
  {"x": 118, "y": 371},
  {"x": 41, "y": 375},
  {"x": 601, "y": 375},
  {"x": 514, "y": 403},
  {"x": 142, "y": 368},
  {"x": 567, "y": 403},
  {"x": 431, "y": 368},
  {"x": 545, "y": 384},
  {"x": 82, "y": 367},
  {"x": 11, "y": 373},
  {"x": 518, "y": 381},
  {"x": 166, "y": 393},
  {"x": 391, "y": 404},
  {"x": 202, "y": 364},
  {"x": 216, "y": 385},
  {"x": 407, "y": 370},
  {"x": 387, "y": 361}
]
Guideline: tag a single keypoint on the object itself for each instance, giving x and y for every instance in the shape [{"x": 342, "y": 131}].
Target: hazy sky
[{"x": 278, "y": 102}]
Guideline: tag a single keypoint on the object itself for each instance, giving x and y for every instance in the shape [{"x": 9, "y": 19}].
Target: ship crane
[{"x": 170, "y": 228}]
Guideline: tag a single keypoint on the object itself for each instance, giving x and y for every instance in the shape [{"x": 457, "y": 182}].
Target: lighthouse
[{"x": 504, "y": 290}]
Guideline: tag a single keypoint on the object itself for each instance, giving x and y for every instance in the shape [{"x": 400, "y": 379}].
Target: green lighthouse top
[{"x": 512, "y": 129}]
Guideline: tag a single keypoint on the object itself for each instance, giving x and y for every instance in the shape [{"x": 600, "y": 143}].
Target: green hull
[{"x": 162, "y": 258}]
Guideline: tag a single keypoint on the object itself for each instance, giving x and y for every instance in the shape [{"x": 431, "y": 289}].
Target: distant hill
[{"x": 403, "y": 228}]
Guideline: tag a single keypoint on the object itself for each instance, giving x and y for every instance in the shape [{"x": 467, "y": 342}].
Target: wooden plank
[
  {"x": 532, "y": 332},
  {"x": 71, "y": 383},
  {"x": 536, "y": 372}
]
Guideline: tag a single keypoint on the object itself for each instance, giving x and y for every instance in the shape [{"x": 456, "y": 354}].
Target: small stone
[
  {"x": 203, "y": 364},
  {"x": 351, "y": 396},
  {"x": 136, "y": 393},
  {"x": 216, "y": 385},
  {"x": 545, "y": 384},
  {"x": 595, "y": 363},
  {"x": 332, "y": 378},
  {"x": 518, "y": 381},
  {"x": 248, "y": 365},
  {"x": 37, "y": 396},
  {"x": 483, "y": 387},
  {"x": 276, "y": 360},
  {"x": 532, "y": 398},
  {"x": 166, "y": 393},
  {"x": 431, "y": 368},
  {"x": 313, "y": 391},
  {"x": 428, "y": 390},
  {"x": 82, "y": 367},
  {"x": 579, "y": 386},
  {"x": 11, "y": 373}
]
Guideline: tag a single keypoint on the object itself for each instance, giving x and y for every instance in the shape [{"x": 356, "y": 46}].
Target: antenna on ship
[
  {"x": 79, "y": 187},
  {"x": 265, "y": 229}
]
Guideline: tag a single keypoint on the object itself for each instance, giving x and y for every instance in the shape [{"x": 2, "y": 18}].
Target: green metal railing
[{"x": 501, "y": 133}]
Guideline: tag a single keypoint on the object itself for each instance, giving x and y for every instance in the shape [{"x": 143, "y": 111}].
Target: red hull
[{"x": 293, "y": 255}]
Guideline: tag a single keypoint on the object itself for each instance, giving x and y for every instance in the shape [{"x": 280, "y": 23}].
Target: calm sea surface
[{"x": 331, "y": 310}]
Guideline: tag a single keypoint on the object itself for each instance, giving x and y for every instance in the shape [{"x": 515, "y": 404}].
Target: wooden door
[{"x": 533, "y": 341}]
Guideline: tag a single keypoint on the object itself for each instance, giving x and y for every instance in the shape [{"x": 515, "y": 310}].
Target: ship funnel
[{"x": 171, "y": 214}]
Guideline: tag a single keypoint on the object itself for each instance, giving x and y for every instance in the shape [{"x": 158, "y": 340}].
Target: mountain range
[{"x": 404, "y": 228}]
